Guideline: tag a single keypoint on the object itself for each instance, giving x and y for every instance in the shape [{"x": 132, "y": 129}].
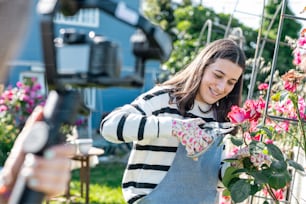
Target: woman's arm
[
  {"x": 129, "y": 123},
  {"x": 140, "y": 120}
]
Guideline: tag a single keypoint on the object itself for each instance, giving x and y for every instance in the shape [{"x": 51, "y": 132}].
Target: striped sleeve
[{"x": 136, "y": 121}]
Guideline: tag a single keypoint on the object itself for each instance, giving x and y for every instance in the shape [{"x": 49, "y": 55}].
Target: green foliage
[
  {"x": 240, "y": 190},
  {"x": 261, "y": 154},
  {"x": 105, "y": 185},
  {"x": 7, "y": 138},
  {"x": 16, "y": 104},
  {"x": 290, "y": 29},
  {"x": 244, "y": 178},
  {"x": 184, "y": 23}
]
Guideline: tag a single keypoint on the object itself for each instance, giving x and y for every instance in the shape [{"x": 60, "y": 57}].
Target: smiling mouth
[{"x": 215, "y": 94}]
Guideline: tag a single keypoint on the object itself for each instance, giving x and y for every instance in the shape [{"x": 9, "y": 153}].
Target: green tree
[
  {"x": 290, "y": 28},
  {"x": 184, "y": 23}
]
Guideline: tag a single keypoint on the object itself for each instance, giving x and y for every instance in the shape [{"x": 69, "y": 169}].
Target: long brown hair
[{"x": 186, "y": 83}]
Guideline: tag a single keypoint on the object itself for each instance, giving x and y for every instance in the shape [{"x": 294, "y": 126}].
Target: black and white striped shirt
[{"x": 147, "y": 122}]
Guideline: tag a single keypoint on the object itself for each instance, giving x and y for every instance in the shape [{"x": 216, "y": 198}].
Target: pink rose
[
  {"x": 263, "y": 86},
  {"x": 257, "y": 137},
  {"x": 269, "y": 141},
  {"x": 237, "y": 115},
  {"x": 252, "y": 109},
  {"x": 289, "y": 86}
]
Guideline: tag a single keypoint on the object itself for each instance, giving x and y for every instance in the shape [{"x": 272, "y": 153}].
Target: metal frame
[{"x": 283, "y": 15}]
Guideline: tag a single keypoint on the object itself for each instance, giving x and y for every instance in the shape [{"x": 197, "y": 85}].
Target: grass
[{"x": 105, "y": 185}]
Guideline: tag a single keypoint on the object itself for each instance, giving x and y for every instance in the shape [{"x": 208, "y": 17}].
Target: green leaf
[
  {"x": 253, "y": 134},
  {"x": 239, "y": 171},
  {"x": 236, "y": 141},
  {"x": 255, "y": 188},
  {"x": 275, "y": 151},
  {"x": 276, "y": 96},
  {"x": 295, "y": 165},
  {"x": 229, "y": 176},
  {"x": 294, "y": 99},
  {"x": 266, "y": 130},
  {"x": 240, "y": 190},
  {"x": 183, "y": 25},
  {"x": 278, "y": 166},
  {"x": 226, "y": 192},
  {"x": 260, "y": 177},
  {"x": 256, "y": 147},
  {"x": 279, "y": 180},
  {"x": 247, "y": 163}
]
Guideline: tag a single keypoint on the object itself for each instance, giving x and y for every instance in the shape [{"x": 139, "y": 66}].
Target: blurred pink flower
[
  {"x": 18, "y": 102},
  {"x": 263, "y": 86}
]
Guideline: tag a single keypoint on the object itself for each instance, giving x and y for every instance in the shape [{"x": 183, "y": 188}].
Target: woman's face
[{"x": 218, "y": 81}]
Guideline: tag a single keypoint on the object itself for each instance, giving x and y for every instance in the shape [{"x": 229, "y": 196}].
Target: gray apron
[{"x": 189, "y": 181}]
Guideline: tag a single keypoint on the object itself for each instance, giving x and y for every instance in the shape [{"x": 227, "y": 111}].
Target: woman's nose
[{"x": 221, "y": 86}]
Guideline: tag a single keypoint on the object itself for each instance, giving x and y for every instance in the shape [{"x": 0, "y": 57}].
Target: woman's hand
[
  {"x": 48, "y": 174},
  {"x": 16, "y": 157},
  {"x": 190, "y": 134}
]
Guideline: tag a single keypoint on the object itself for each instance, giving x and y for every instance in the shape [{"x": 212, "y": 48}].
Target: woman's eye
[
  {"x": 218, "y": 76},
  {"x": 231, "y": 83}
]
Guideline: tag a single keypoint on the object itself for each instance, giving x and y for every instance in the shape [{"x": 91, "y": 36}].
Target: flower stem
[{"x": 271, "y": 193}]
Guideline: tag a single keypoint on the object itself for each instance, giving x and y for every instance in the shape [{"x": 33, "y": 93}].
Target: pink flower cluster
[
  {"x": 250, "y": 112},
  {"x": 258, "y": 160},
  {"x": 249, "y": 117},
  {"x": 279, "y": 194},
  {"x": 300, "y": 51},
  {"x": 19, "y": 102},
  {"x": 292, "y": 79}
]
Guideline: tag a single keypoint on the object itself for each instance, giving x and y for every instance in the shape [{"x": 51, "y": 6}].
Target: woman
[
  {"x": 164, "y": 126},
  {"x": 48, "y": 174}
]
